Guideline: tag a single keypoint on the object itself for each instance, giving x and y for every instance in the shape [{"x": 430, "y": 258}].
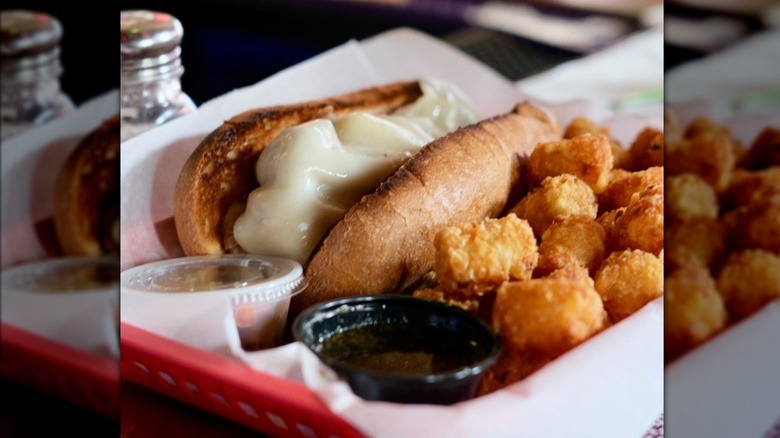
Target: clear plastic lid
[
  {"x": 247, "y": 278},
  {"x": 62, "y": 275}
]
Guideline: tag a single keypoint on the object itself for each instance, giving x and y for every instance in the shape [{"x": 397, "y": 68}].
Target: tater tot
[
  {"x": 511, "y": 368},
  {"x": 627, "y": 280},
  {"x": 746, "y": 186},
  {"x": 642, "y": 224},
  {"x": 765, "y": 150},
  {"x": 476, "y": 258},
  {"x": 548, "y": 316},
  {"x": 699, "y": 240},
  {"x": 583, "y": 125},
  {"x": 607, "y": 221},
  {"x": 759, "y": 226},
  {"x": 573, "y": 273},
  {"x": 571, "y": 240},
  {"x": 702, "y": 126},
  {"x": 647, "y": 150},
  {"x": 468, "y": 304},
  {"x": 710, "y": 156},
  {"x": 693, "y": 309},
  {"x": 589, "y": 157},
  {"x": 622, "y": 188},
  {"x": 563, "y": 195},
  {"x": 690, "y": 197},
  {"x": 748, "y": 281}
]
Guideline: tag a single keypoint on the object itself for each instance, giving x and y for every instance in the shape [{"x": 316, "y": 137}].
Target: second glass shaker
[
  {"x": 151, "y": 69},
  {"x": 31, "y": 95}
]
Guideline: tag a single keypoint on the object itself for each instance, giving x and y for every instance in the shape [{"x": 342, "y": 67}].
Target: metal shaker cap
[
  {"x": 149, "y": 43},
  {"x": 29, "y": 40}
]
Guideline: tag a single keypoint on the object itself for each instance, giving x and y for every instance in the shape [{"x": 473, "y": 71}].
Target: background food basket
[{"x": 79, "y": 377}]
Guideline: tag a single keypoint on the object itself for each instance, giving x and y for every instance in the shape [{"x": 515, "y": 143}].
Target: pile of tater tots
[
  {"x": 582, "y": 250},
  {"x": 722, "y": 232}
]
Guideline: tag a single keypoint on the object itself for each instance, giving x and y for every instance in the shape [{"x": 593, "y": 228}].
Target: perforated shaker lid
[
  {"x": 29, "y": 40},
  {"x": 149, "y": 40}
]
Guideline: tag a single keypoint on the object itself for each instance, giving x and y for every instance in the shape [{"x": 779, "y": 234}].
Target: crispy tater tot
[
  {"x": 698, "y": 240},
  {"x": 563, "y": 195},
  {"x": 690, "y": 197},
  {"x": 703, "y": 126},
  {"x": 583, "y": 125},
  {"x": 647, "y": 150},
  {"x": 511, "y": 368},
  {"x": 476, "y": 258},
  {"x": 548, "y": 316},
  {"x": 571, "y": 240},
  {"x": 693, "y": 309},
  {"x": 623, "y": 187},
  {"x": 468, "y": 304},
  {"x": 765, "y": 150},
  {"x": 589, "y": 157},
  {"x": 607, "y": 221},
  {"x": 617, "y": 174},
  {"x": 642, "y": 224},
  {"x": 759, "y": 225},
  {"x": 749, "y": 280},
  {"x": 747, "y": 185},
  {"x": 709, "y": 155},
  {"x": 627, "y": 280},
  {"x": 573, "y": 273}
]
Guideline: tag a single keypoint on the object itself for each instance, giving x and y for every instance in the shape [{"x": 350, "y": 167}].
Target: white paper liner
[
  {"x": 575, "y": 396},
  {"x": 82, "y": 320},
  {"x": 30, "y": 165},
  {"x": 729, "y": 386}
]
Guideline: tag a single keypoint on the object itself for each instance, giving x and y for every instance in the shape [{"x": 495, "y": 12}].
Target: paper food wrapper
[
  {"x": 729, "y": 386},
  {"x": 575, "y": 395},
  {"x": 31, "y": 162}
]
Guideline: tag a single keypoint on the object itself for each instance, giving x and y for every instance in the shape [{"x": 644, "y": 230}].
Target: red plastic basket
[
  {"x": 226, "y": 387},
  {"x": 79, "y": 377}
]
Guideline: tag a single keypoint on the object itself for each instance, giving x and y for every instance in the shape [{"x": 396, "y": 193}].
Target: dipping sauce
[
  {"x": 197, "y": 290},
  {"x": 399, "y": 348}
]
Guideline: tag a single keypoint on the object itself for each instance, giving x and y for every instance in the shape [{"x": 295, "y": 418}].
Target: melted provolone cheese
[{"x": 314, "y": 172}]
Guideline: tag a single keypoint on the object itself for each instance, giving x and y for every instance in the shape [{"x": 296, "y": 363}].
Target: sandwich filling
[{"x": 314, "y": 172}]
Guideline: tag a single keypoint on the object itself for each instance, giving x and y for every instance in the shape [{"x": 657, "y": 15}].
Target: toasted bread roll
[
  {"x": 385, "y": 242},
  {"x": 220, "y": 172},
  {"x": 86, "y": 195}
]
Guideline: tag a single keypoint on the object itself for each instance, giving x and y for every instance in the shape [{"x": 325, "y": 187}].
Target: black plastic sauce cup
[{"x": 399, "y": 348}]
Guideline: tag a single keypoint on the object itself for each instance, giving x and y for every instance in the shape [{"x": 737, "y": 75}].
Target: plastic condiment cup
[
  {"x": 71, "y": 300},
  {"x": 259, "y": 289},
  {"x": 399, "y": 348}
]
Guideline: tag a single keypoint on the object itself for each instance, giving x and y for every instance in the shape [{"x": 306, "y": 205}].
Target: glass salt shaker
[
  {"x": 31, "y": 71},
  {"x": 151, "y": 71}
]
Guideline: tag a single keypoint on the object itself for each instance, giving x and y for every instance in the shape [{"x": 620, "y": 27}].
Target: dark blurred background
[
  {"x": 236, "y": 43},
  {"x": 89, "y": 56},
  {"x": 694, "y": 29}
]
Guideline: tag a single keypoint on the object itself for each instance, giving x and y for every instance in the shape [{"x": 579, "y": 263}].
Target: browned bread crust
[
  {"x": 220, "y": 172},
  {"x": 86, "y": 195},
  {"x": 385, "y": 242}
]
